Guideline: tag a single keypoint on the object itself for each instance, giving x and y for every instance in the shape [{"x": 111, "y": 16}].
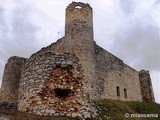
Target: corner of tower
[{"x": 146, "y": 86}]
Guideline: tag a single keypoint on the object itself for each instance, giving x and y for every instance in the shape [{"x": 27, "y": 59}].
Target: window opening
[
  {"x": 125, "y": 93},
  {"x": 118, "y": 91},
  {"x": 78, "y": 7}
]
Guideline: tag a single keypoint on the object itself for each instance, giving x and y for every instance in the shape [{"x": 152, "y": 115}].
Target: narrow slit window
[
  {"x": 118, "y": 91},
  {"x": 125, "y": 93}
]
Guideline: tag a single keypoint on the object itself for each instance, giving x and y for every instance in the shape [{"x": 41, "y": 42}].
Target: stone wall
[
  {"x": 11, "y": 77},
  {"x": 79, "y": 39},
  {"x": 101, "y": 68},
  {"x": 8, "y": 106},
  {"x": 64, "y": 77},
  {"x": 53, "y": 84},
  {"x": 146, "y": 86},
  {"x": 112, "y": 73}
]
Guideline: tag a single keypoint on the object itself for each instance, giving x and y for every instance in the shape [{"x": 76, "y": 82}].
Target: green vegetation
[
  {"x": 5, "y": 115},
  {"x": 109, "y": 110},
  {"x": 117, "y": 110}
]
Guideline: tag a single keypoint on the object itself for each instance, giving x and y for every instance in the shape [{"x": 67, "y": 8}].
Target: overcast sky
[{"x": 130, "y": 29}]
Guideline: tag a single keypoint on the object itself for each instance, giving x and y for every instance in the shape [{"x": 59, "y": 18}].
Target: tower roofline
[{"x": 81, "y": 4}]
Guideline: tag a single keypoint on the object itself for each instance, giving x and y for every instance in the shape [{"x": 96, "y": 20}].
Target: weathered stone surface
[
  {"x": 146, "y": 86},
  {"x": 8, "y": 106},
  {"x": 11, "y": 78},
  {"x": 64, "y": 77},
  {"x": 55, "y": 88}
]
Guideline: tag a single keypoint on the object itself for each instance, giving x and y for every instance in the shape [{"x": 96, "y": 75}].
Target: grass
[
  {"x": 22, "y": 116},
  {"x": 109, "y": 110},
  {"x": 116, "y": 110}
]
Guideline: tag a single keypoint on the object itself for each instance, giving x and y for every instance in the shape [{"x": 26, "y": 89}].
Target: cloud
[
  {"x": 140, "y": 45},
  {"x": 116, "y": 29},
  {"x": 136, "y": 39},
  {"x": 155, "y": 76},
  {"x": 128, "y": 7},
  {"x": 17, "y": 33},
  {"x": 3, "y": 30},
  {"x": 20, "y": 33}
]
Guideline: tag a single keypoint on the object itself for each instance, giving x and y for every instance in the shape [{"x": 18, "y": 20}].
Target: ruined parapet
[
  {"x": 11, "y": 77},
  {"x": 146, "y": 86},
  {"x": 79, "y": 18},
  {"x": 53, "y": 84},
  {"x": 79, "y": 28}
]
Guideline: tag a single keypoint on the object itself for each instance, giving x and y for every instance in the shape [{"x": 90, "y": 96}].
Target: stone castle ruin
[{"x": 66, "y": 76}]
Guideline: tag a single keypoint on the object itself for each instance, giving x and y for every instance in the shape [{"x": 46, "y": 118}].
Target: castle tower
[
  {"x": 11, "y": 78},
  {"x": 79, "y": 28},
  {"x": 146, "y": 86},
  {"x": 79, "y": 38},
  {"x": 79, "y": 20}
]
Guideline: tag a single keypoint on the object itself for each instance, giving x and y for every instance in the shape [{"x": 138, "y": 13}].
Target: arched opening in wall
[
  {"x": 78, "y": 7},
  {"x": 62, "y": 93}
]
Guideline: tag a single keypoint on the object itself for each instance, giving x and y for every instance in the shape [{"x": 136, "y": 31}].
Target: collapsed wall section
[
  {"x": 11, "y": 78},
  {"x": 146, "y": 86},
  {"x": 53, "y": 84}
]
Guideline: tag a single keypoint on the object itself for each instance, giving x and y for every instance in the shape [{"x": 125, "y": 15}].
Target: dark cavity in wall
[
  {"x": 62, "y": 93},
  {"x": 62, "y": 88}
]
